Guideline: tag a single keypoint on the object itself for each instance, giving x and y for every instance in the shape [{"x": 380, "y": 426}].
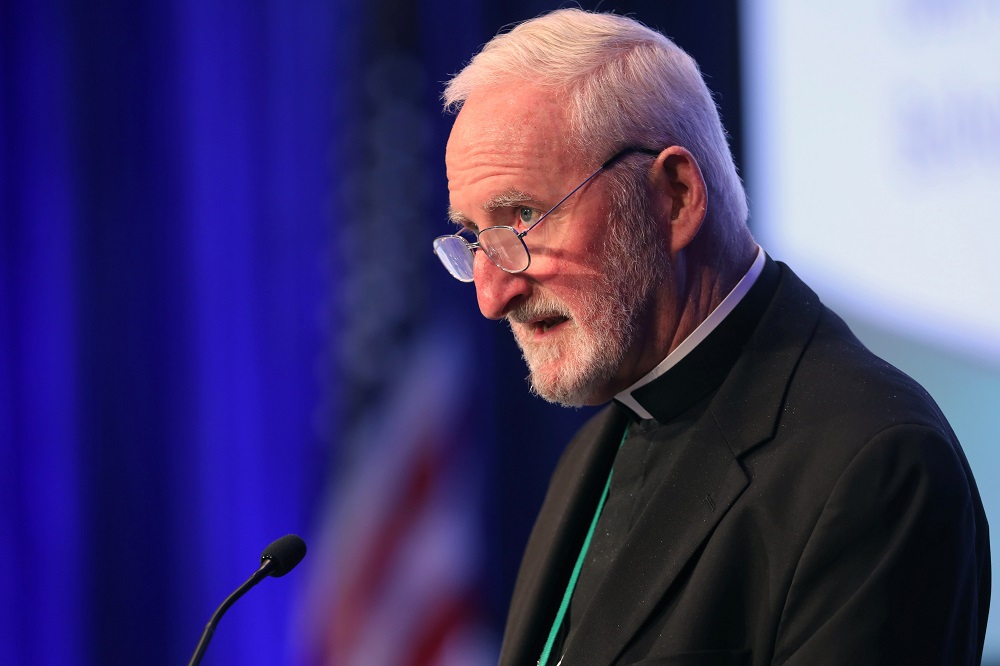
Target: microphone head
[{"x": 285, "y": 553}]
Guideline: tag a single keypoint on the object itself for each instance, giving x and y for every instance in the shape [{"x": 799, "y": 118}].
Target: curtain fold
[{"x": 165, "y": 173}]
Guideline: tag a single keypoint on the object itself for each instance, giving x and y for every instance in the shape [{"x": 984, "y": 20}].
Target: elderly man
[{"x": 761, "y": 488}]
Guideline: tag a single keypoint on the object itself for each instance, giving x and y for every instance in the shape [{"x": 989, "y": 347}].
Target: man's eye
[{"x": 527, "y": 215}]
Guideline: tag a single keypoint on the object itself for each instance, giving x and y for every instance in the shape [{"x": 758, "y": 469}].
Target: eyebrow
[
  {"x": 505, "y": 199},
  {"x": 457, "y": 217}
]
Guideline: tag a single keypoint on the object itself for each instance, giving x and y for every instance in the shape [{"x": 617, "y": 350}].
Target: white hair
[{"x": 627, "y": 85}]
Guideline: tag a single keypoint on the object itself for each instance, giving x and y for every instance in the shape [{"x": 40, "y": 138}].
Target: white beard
[
  {"x": 582, "y": 355},
  {"x": 577, "y": 365}
]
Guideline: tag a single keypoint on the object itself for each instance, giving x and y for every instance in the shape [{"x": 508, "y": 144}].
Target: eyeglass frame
[{"x": 473, "y": 246}]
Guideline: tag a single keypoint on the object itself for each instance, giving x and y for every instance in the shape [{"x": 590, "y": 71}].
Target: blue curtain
[{"x": 163, "y": 277}]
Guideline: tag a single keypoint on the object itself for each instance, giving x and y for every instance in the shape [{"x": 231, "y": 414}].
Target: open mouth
[{"x": 542, "y": 326}]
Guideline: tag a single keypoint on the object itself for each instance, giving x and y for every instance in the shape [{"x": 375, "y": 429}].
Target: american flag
[{"x": 397, "y": 575}]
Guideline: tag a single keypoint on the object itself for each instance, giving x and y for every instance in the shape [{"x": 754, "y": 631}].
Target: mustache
[{"x": 539, "y": 307}]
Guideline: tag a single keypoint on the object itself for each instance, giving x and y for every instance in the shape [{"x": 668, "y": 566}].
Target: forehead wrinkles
[
  {"x": 494, "y": 148},
  {"x": 516, "y": 121}
]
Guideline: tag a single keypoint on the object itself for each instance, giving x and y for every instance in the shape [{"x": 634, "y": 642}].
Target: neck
[
  {"x": 698, "y": 280},
  {"x": 699, "y": 290}
]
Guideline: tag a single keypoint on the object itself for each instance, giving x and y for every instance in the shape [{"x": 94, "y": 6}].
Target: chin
[{"x": 579, "y": 385}]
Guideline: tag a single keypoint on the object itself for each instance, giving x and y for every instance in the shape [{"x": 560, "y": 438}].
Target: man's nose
[{"x": 497, "y": 290}]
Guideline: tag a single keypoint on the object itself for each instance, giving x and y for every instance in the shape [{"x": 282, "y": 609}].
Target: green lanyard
[{"x": 571, "y": 585}]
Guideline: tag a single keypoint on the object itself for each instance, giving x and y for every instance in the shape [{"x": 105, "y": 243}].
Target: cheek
[
  {"x": 568, "y": 264},
  {"x": 590, "y": 241},
  {"x": 570, "y": 256},
  {"x": 571, "y": 293}
]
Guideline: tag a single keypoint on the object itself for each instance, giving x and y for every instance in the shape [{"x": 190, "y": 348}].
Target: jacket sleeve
[{"x": 896, "y": 566}]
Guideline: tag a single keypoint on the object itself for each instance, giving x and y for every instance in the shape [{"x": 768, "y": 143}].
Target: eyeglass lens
[
  {"x": 501, "y": 244},
  {"x": 456, "y": 255},
  {"x": 504, "y": 248}
]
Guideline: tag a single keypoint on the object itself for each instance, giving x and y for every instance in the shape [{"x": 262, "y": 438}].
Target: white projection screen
[{"x": 872, "y": 142}]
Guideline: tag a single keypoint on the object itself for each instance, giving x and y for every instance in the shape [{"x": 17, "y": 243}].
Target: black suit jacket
[{"x": 818, "y": 510}]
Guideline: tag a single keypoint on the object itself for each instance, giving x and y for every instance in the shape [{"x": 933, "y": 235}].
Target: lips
[
  {"x": 541, "y": 326},
  {"x": 538, "y": 317}
]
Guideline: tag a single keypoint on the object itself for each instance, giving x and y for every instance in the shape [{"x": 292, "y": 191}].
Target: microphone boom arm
[{"x": 213, "y": 621}]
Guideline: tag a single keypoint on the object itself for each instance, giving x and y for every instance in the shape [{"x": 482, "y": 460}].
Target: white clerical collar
[{"x": 696, "y": 336}]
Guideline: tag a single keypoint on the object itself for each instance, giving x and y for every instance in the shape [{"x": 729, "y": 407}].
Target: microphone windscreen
[{"x": 285, "y": 552}]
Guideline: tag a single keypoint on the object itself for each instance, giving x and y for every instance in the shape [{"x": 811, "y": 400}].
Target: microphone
[{"x": 277, "y": 559}]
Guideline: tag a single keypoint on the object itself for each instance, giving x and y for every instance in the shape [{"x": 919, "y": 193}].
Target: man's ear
[{"x": 679, "y": 196}]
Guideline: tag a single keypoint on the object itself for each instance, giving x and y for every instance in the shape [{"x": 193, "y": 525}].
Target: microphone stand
[{"x": 263, "y": 572}]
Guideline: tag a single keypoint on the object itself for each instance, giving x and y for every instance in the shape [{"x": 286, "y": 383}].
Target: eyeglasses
[{"x": 502, "y": 244}]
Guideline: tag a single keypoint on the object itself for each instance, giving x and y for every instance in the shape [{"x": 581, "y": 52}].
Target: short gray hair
[{"x": 628, "y": 85}]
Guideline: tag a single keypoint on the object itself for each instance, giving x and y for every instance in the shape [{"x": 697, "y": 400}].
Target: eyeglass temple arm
[
  {"x": 628, "y": 151},
  {"x": 589, "y": 178},
  {"x": 610, "y": 162}
]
